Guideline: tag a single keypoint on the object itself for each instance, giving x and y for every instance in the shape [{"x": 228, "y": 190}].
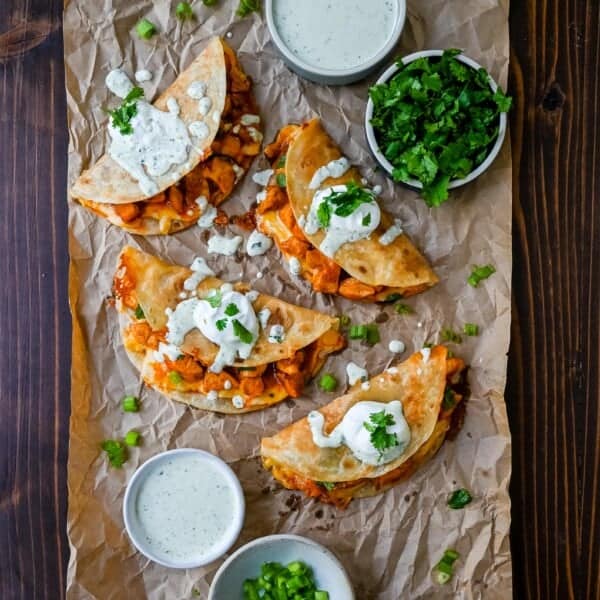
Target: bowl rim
[
  {"x": 218, "y": 550},
  {"x": 387, "y": 165},
  {"x": 335, "y": 73},
  {"x": 261, "y": 541}
]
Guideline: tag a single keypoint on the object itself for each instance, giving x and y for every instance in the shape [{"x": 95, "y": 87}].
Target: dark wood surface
[{"x": 553, "y": 390}]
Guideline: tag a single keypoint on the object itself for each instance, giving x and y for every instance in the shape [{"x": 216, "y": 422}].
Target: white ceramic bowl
[
  {"x": 135, "y": 529},
  {"x": 246, "y": 562},
  {"x": 387, "y": 165},
  {"x": 335, "y": 76}
]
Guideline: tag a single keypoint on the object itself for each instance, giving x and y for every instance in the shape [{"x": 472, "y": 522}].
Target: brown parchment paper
[{"x": 389, "y": 543}]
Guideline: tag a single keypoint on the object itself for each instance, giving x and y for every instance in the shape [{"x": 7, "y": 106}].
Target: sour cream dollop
[
  {"x": 342, "y": 229},
  {"x": 351, "y": 431}
]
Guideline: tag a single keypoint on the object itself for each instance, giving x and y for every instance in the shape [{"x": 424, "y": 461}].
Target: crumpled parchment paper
[{"x": 389, "y": 543}]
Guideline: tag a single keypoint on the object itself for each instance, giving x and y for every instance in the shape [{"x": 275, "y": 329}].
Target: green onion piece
[
  {"x": 358, "y": 332},
  {"x": 321, "y": 595},
  {"x": 442, "y": 578},
  {"x": 145, "y": 29},
  {"x": 471, "y": 329},
  {"x": 451, "y": 336},
  {"x": 459, "y": 499},
  {"x": 444, "y": 569},
  {"x": 393, "y": 298},
  {"x": 132, "y": 438},
  {"x": 479, "y": 274},
  {"x": 373, "y": 336},
  {"x": 131, "y": 404},
  {"x": 175, "y": 377},
  {"x": 247, "y": 6},
  {"x": 403, "y": 309},
  {"x": 328, "y": 485},
  {"x": 345, "y": 320},
  {"x": 139, "y": 313},
  {"x": 184, "y": 11},
  {"x": 449, "y": 400},
  {"x": 428, "y": 345},
  {"x": 281, "y": 180},
  {"x": 209, "y": 2},
  {"x": 328, "y": 383},
  {"x": 116, "y": 452},
  {"x": 281, "y": 161}
]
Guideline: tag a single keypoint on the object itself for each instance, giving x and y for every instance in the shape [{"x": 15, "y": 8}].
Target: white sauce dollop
[
  {"x": 199, "y": 130},
  {"x": 355, "y": 373},
  {"x": 166, "y": 350},
  {"x": 336, "y": 168},
  {"x": 219, "y": 244},
  {"x": 204, "y": 105},
  {"x": 143, "y": 75},
  {"x": 392, "y": 233},
  {"x": 185, "y": 507},
  {"x": 262, "y": 177},
  {"x": 258, "y": 244},
  {"x": 263, "y": 317},
  {"x": 337, "y": 34},
  {"x": 351, "y": 431},
  {"x": 426, "y": 354},
  {"x": 295, "y": 266},
  {"x": 397, "y": 346},
  {"x": 342, "y": 229},
  {"x": 200, "y": 271},
  {"x": 250, "y": 120},
  {"x": 208, "y": 213},
  {"x": 197, "y": 90},
  {"x": 118, "y": 82},
  {"x": 276, "y": 334}
]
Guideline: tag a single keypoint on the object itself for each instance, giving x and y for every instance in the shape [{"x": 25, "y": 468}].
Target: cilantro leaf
[
  {"x": 479, "y": 274},
  {"x": 116, "y": 451},
  {"x": 139, "y": 312},
  {"x": 328, "y": 485},
  {"x": 121, "y": 117},
  {"x": 221, "y": 324},
  {"x": 241, "y": 332},
  {"x": 346, "y": 202},
  {"x": 232, "y": 310},
  {"x": 324, "y": 214},
  {"x": 366, "y": 220},
  {"x": 377, "y": 427},
  {"x": 215, "y": 299}
]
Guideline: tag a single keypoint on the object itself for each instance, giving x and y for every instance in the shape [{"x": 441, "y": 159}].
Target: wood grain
[{"x": 553, "y": 392}]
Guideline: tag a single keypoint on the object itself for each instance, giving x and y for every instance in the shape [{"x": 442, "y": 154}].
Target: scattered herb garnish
[
  {"x": 145, "y": 29},
  {"x": 281, "y": 180},
  {"x": 116, "y": 452},
  {"x": 139, "y": 312},
  {"x": 343, "y": 204},
  {"x": 345, "y": 320},
  {"x": 369, "y": 333},
  {"x": 221, "y": 324},
  {"x": 445, "y": 569},
  {"x": 448, "y": 335},
  {"x": 209, "y": 2},
  {"x": 479, "y": 274},
  {"x": 131, "y": 404},
  {"x": 328, "y": 485},
  {"x": 281, "y": 161},
  {"x": 277, "y": 582},
  {"x": 403, "y": 309},
  {"x": 133, "y": 438},
  {"x": 184, "y": 11},
  {"x": 122, "y": 116},
  {"x": 231, "y": 310},
  {"x": 459, "y": 499},
  {"x": 471, "y": 329},
  {"x": 175, "y": 377},
  {"x": 241, "y": 332},
  {"x": 215, "y": 299},
  {"x": 366, "y": 220},
  {"x": 428, "y": 345},
  {"x": 393, "y": 298},
  {"x": 377, "y": 427},
  {"x": 436, "y": 121},
  {"x": 449, "y": 400},
  {"x": 328, "y": 383},
  {"x": 246, "y": 7}
]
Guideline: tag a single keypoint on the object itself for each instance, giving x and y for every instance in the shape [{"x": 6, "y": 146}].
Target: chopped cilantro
[
  {"x": 436, "y": 121},
  {"x": 403, "y": 309},
  {"x": 116, "y": 452},
  {"x": 215, "y": 299},
  {"x": 328, "y": 485},
  {"x": 366, "y": 220},
  {"x": 281, "y": 180},
  {"x": 459, "y": 499},
  {"x": 232, "y": 310},
  {"x": 139, "y": 312},
  {"x": 448, "y": 335},
  {"x": 221, "y": 324},
  {"x": 471, "y": 329},
  {"x": 246, "y": 7},
  {"x": 241, "y": 332},
  {"x": 479, "y": 274},
  {"x": 121, "y": 117},
  {"x": 324, "y": 214},
  {"x": 377, "y": 427}
]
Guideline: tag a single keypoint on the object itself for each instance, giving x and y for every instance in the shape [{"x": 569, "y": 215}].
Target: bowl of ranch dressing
[
  {"x": 335, "y": 42},
  {"x": 184, "y": 508}
]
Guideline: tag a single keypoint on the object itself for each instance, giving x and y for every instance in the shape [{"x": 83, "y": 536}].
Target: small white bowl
[
  {"x": 246, "y": 562},
  {"x": 136, "y": 531},
  {"x": 336, "y": 76},
  {"x": 387, "y": 165}
]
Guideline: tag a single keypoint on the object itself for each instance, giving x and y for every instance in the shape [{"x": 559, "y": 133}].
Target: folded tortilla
[
  {"x": 335, "y": 475},
  {"x": 363, "y": 270},
  {"x": 144, "y": 287},
  {"x": 214, "y": 167}
]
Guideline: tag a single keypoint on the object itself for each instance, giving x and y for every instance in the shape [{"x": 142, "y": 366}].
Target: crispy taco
[
  {"x": 214, "y": 345},
  {"x": 330, "y": 226},
  {"x": 173, "y": 162},
  {"x": 376, "y": 435}
]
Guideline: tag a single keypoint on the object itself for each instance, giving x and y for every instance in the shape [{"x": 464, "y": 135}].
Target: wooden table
[{"x": 553, "y": 391}]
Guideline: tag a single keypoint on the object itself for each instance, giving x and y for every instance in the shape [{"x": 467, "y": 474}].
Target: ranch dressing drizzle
[
  {"x": 337, "y": 34},
  {"x": 185, "y": 507},
  {"x": 262, "y": 177},
  {"x": 392, "y": 233},
  {"x": 159, "y": 139},
  {"x": 351, "y": 432},
  {"x": 258, "y": 244},
  {"x": 208, "y": 213},
  {"x": 219, "y": 244},
  {"x": 342, "y": 229},
  {"x": 336, "y": 168}
]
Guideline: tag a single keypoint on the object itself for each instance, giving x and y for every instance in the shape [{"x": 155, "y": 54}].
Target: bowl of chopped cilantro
[{"x": 435, "y": 121}]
